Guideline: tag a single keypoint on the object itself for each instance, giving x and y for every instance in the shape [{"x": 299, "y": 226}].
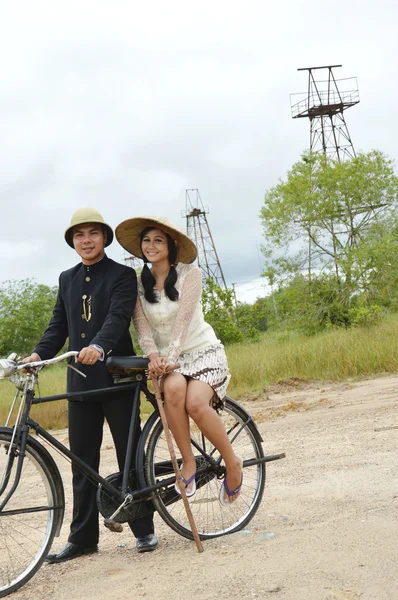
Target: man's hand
[
  {"x": 88, "y": 356},
  {"x": 34, "y": 357}
]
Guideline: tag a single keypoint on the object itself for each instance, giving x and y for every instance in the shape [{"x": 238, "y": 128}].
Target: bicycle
[{"x": 32, "y": 499}]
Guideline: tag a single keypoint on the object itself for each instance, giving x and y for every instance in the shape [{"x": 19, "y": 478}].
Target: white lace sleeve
[
  {"x": 143, "y": 329},
  {"x": 190, "y": 295}
]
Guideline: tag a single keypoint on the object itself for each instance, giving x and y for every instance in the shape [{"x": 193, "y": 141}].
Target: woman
[{"x": 171, "y": 329}]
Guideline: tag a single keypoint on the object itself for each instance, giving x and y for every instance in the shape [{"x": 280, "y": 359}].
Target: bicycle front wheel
[
  {"x": 29, "y": 520},
  {"x": 211, "y": 518}
]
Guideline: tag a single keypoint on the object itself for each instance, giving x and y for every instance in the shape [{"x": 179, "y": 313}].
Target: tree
[
  {"x": 25, "y": 310},
  {"x": 219, "y": 312},
  {"x": 324, "y": 220}
]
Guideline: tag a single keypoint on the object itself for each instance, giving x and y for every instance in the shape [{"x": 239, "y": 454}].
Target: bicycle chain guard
[{"x": 107, "y": 505}]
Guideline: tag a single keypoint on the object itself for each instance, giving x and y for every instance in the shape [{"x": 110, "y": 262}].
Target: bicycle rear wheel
[
  {"x": 29, "y": 520},
  {"x": 211, "y": 518}
]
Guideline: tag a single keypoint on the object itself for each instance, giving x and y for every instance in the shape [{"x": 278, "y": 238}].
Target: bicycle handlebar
[
  {"x": 10, "y": 367},
  {"x": 49, "y": 361}
]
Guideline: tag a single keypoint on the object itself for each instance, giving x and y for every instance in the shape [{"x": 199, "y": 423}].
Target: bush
[
  {"x": 25, "y": 310},
  {"x": 231, "y": 324},
  {"x": 365, "y": 316}
]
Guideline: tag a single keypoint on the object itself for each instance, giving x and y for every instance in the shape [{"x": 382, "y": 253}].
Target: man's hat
[
  {"x": 128, "y": 236},
  {"x": 87, "y": 215}
]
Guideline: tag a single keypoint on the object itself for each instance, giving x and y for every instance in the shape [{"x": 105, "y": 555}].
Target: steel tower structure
[
  {"x": 133, "y": 261},
  {"x": 198, "y": 230},
  {"x": 324, "y": 104}
]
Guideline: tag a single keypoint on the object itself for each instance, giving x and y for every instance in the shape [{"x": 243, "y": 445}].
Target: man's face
[{"x": 89, "y": 242}]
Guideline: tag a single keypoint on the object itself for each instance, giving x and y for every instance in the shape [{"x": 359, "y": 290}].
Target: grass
[{"x": 332, "y": 356}]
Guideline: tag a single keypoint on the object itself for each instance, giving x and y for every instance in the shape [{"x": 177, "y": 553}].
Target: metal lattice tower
[
  {"x": 324, "y": 104},
  {"x": 133, "y": 261},
  {"x": 199, "y": 231}
]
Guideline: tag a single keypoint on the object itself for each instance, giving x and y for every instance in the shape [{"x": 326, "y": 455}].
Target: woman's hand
[{"x": 156, "y": 365}]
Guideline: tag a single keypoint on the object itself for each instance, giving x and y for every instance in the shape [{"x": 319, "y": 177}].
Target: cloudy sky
[{"x": 123, "y": 105}]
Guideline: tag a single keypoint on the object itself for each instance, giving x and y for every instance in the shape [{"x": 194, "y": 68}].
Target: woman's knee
[
  {"x": 195, "y": 406},
  {"x": 174, "y": 391}
]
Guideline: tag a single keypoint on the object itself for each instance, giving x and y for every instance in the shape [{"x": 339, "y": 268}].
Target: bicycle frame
[
  {"x": 21, "y": 432},
  {"x": 26, "y": 424}
]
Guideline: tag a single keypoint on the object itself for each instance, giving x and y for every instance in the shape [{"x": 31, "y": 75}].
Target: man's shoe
[
  {"x": 147, "y": 543},
  {"x": 70, "y": 551}
]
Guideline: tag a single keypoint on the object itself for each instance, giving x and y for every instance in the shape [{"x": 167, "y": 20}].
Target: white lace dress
[{"x": 178, "y": 331}]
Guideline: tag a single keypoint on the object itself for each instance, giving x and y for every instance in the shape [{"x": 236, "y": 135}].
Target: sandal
[
  {"x": 230, "y": 493},
  {"x": 186, "y": 482}
]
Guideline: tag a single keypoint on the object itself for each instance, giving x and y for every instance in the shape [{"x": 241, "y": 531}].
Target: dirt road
[{"x": 327, "y": 528}]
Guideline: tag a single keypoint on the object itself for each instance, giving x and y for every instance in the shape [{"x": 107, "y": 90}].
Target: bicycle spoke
[{"x": 27, "y": 523}]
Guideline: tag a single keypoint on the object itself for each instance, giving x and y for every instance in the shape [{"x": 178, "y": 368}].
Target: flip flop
[
  {"x": 230, "y": 493},
  {"x": 186, "y": 482}
]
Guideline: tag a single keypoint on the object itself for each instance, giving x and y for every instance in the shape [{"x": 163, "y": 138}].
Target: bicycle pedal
[{"x": 113, "y": 526}]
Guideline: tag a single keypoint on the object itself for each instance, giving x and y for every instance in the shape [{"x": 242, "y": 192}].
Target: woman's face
[{"x": 154, "y": 246}]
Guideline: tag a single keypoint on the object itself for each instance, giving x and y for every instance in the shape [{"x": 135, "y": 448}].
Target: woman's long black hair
[{"x": 148, "y": 280}]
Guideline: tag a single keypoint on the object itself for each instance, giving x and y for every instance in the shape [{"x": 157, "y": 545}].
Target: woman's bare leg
[
  {"x": 175, "y": 390},
  {"x": 198, "y": 407}
]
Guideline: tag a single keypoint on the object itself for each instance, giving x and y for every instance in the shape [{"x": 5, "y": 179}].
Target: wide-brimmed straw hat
[
  {"x": 87, "y": 215},
  {"x": 128, "y": 236}
]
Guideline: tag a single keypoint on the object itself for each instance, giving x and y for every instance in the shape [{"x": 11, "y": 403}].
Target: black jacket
[{"x": 113, "y": 291}]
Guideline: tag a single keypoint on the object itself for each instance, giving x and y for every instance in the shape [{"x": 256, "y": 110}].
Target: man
[{"x": 95, "y": 302}]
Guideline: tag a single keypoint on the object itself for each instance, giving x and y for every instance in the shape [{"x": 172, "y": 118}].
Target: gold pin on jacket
[{"x": 86, "y": 308}]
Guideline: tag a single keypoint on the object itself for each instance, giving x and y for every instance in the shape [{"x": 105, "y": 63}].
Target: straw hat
[
  {"x": 87, "y": 215},
  {"x": 128, "y": 236}
]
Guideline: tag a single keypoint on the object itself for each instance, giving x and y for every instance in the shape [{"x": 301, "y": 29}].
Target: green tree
[
  {"x": 231, "y": 323},
  {"x": 25, "y": 310},
  {"x": 219, "y": 312},
  {"x": 324, "y": 224}
]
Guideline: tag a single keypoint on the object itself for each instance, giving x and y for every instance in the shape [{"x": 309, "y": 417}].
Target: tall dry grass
[{"x": 332, "y": 355}]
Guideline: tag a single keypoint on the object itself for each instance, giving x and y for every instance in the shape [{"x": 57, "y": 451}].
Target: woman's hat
[
  {"x": 128, "y": 236},
  {"x": 87, "y": 215}
]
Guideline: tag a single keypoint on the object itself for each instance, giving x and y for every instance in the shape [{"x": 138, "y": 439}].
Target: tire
[
  {"x": 26, "y": 537},
  {"x": 211, "y": 518}
]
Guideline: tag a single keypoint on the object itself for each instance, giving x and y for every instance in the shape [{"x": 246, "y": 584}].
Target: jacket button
[
  {"x": 83, "y": 335},
  {"x": 87, "y": 278}
]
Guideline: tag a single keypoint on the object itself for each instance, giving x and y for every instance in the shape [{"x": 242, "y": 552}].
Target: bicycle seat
[{"x": 127, "y": 362}]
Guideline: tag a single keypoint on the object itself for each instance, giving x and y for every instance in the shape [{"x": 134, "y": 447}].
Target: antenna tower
[
  {"x": 132, "y": 261},
  {"x": 324, "y": 104},
  {"x": 199, "y": 231}
]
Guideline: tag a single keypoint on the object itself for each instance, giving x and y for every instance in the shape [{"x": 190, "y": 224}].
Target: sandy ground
[{"x": 327, "y": 528}]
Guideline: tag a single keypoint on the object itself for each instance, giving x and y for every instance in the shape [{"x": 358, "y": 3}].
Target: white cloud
[{"x": 123, "y": 105}]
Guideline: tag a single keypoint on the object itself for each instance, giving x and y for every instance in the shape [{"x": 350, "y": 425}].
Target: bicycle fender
[
  {"x": 140, "y": 453},
  {"x": 245, "y": 415},
  {"x": 54, "y": 471}
]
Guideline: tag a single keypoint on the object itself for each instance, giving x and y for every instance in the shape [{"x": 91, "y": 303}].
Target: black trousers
[{"x": 86, "y": 423}]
